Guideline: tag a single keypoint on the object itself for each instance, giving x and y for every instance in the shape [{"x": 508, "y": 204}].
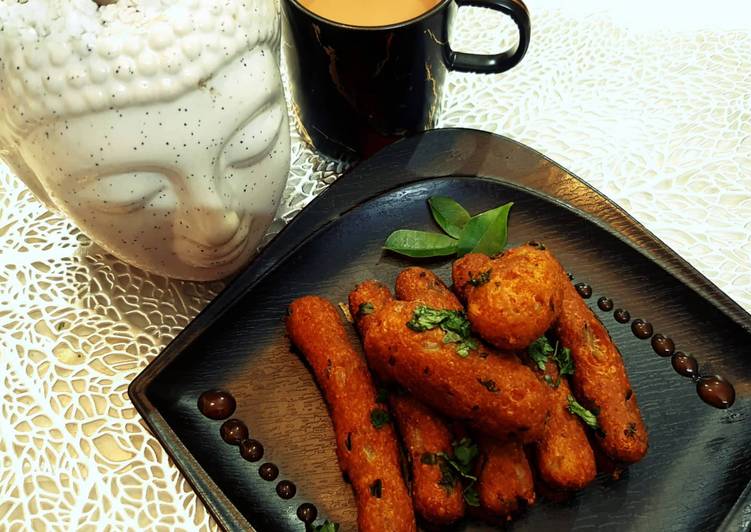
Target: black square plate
[{"x": 699, "y": 461}]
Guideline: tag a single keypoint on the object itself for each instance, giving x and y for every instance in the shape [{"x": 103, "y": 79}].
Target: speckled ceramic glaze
[{"x": 159, "y": 127}]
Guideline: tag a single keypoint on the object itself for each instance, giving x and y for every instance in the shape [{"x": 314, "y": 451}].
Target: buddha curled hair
[{"x": 61, "y": 58}]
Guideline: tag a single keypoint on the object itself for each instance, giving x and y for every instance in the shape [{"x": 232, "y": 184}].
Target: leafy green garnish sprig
[
  {"x": 589, "y": 417},
  {"x": 457, "y": 468},
  {"x": 540, "y": 351},
  {"x": 454, "y": 324},
  {"x": 486, "y": 232},
  {"x": 326, "y": 526}
]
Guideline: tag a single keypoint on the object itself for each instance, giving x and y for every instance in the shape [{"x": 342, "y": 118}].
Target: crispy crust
[
  {"x": 513, "y": 299},
  {"x": 505, "y": 483},
  {"x": 491, "y": 391},
  {"x": 424, "y": 432},
  {"x": 419, "y": 284},
  {"x": 600, "y": 381},
  {"x": 564, "y": 457},
  {"x": 366, "y": 454}
]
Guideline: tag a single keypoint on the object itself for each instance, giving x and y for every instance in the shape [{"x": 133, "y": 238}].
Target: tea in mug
[{"x": 369, "y": 12}]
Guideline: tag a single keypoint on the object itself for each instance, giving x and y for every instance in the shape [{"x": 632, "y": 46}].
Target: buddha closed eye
[{"x": 124, "y": 193}]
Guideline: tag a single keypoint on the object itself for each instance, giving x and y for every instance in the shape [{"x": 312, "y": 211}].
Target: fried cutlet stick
[
  {"x": 420, "y": 284},
  {"x": 505, "y": 484},
  {"x": 600, "y": 382},
  {"x": 564, "y": 457},
  {"x": 512, "y": 299},
  {"x": 366, "y": 443},
  {"x": 491, "y": 391},
  {"x": 425, "y": 434}
]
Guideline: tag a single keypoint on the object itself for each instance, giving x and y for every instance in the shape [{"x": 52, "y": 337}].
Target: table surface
[{"x": 650, "y": 102}]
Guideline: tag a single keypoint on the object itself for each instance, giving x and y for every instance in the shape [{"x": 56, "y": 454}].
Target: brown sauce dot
[
  {"x": 584, "y": 290},
  {"x": 307, "y": 512},
  {"x": 286, "y": 489},
  {"x": 663, "y": 345},
  {"x": 641, "y": 329},
  {"x": 234, "y": 431},
  {"x": 216, "y": 404},
  {"x": 685, "y": 365},
  {"x": 605, "y": 303},
  {"x": 622, "y": 315},
  {"x": 251, "y": 450},
  {"x": 716, "y": 391},
  {"x": 268, "y": 471}
]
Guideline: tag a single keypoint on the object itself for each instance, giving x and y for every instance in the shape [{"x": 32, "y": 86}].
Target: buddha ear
[{"x": 18, "y": 166}]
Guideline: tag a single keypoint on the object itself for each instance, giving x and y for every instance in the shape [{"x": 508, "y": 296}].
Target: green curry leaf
[
  {"x": 485, "y": 233},
  {"x": 448, "y": 214},
  {"x": 420, "y": 244}
]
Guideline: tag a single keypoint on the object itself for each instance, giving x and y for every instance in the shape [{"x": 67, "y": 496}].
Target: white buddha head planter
[{"x": 158, "y": 126}]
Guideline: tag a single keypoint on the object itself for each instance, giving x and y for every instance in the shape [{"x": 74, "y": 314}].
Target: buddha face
[{"x": 185, "y": 187}]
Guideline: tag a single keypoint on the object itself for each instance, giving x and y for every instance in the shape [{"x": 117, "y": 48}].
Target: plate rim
[{"x": 547, "y": 179}]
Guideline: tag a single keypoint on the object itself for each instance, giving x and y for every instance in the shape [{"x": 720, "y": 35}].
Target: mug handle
[{"x": 494, "y": 63}]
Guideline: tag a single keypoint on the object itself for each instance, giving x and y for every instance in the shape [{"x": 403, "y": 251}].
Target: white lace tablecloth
[{"x": 648, "y": 101}]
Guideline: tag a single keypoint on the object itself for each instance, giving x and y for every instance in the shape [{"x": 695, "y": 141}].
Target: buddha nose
[
  {"x": 215, "y": 226},
  {"x": 210, "y": 218}
]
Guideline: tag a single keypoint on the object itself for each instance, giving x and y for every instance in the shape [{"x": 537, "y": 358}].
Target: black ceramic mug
[{"x": 357, "y": 88}]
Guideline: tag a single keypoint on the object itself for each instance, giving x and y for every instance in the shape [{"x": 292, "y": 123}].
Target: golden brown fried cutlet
[
  {"x": 600, "y": 382},
  {"x": 565, "y": 460},
  {"x": 420, "y": 284},
  {"x": 366, "y": 445},
  {"x": 505, "y": 484},
  {"x": 424, "y": 433},
  {"x": 513, "y": 299},
  {"x": 493, "y": 392}
]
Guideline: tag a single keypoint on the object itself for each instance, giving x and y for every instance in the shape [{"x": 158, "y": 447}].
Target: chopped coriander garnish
[
  {"x": 588, "y": 417},
  {"x": 471, "y": 497},
  {"x": 454, "y": 324},
  {"x": 459, "y": 468},
  {"x": 379, "y": 417},
  {"x": 448, "y": 477},
  {"x": 481, "y": 279},
  {"x": 465, "y": 452},
  {"x": 490, "y": 385},
  {"x": 539, "y": 350},
  {"x": 562, "y": 357},
  {"x": 365, "y": 309},
  {"x": 464, "y": 347},
  {"x": 451, "y": 337},
  {"x": 376, "y": 488},
  {"x": 327, "y": 526},
  {"x": 426, "y": 318}
]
